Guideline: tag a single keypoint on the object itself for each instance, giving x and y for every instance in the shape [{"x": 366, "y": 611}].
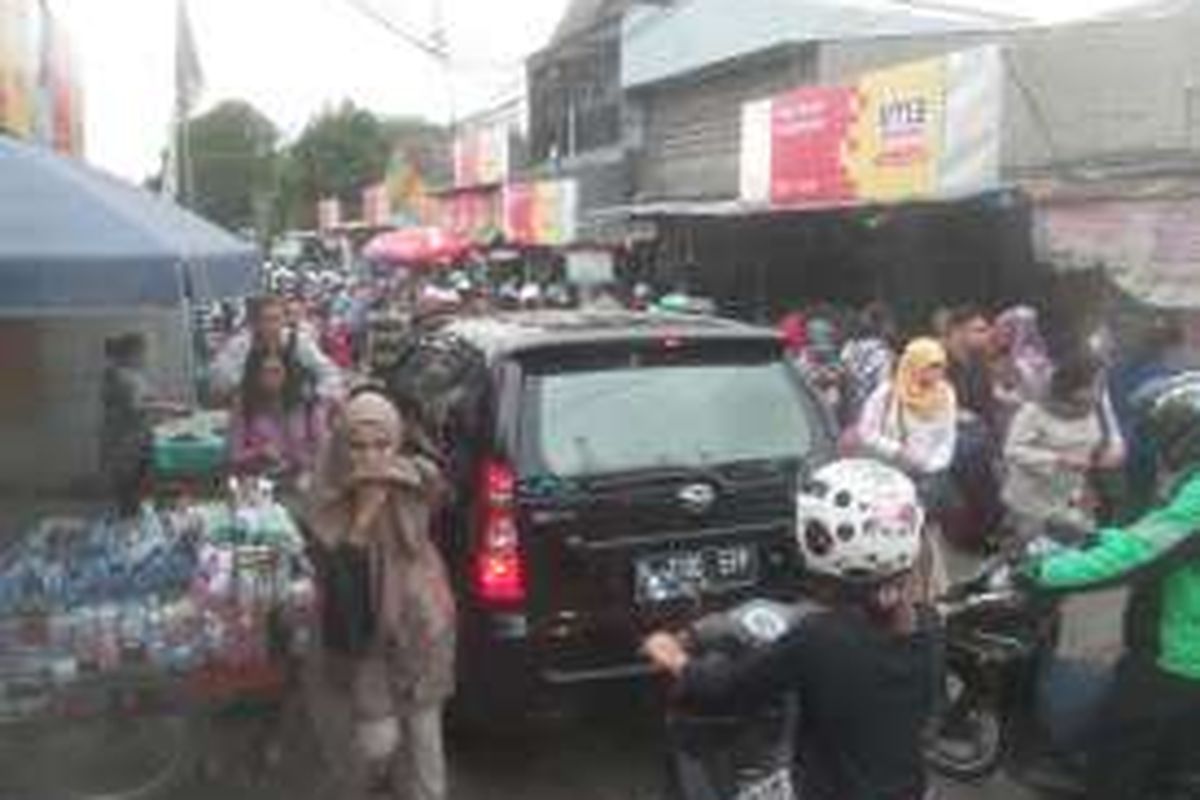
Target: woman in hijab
[
  {"x": 910, "y": 419},
  {"x": 911, "y": 422},
  {"x": 1021, "y": 366},
  {"x": 388, "y": 617}
]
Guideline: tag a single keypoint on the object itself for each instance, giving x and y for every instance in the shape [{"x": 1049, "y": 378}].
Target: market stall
[
  {"x": 137, "y": 625},
  {"x": 164, "y": 618},
  {"x": 84, "y": 257}
]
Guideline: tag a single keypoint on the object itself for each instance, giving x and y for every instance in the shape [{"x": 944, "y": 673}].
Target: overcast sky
[{"x": 291, "y": 57}]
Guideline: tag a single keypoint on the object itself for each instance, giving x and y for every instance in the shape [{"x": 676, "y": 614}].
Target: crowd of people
[
  {"x": 1000, "y": 438},
  {"x": 1003, "y": 437},
  {"x": 292, "y": 370}
]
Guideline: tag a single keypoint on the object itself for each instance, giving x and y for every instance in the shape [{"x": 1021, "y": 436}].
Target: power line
[
  {"x": 427, "y": 46},
  {"x": 434, "y": 46}
]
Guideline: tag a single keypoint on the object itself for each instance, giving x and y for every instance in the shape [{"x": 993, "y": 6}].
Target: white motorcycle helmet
[{"x": 859, "y": 521}]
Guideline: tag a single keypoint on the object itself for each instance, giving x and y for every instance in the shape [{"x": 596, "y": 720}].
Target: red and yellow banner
[
  {"x": 893, "y": 135},
  {"x": 541, "y": 213},
  {"x": 471, "y": 214}
]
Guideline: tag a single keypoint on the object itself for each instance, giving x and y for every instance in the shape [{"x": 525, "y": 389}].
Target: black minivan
[{"x": 612, "y": 472}]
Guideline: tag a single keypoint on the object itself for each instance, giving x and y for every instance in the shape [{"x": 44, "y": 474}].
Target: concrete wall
[
  {"x": 690, "y": 131},
  {"x": 1106, "y": 93},
  {"x": 50, "y": 371}
]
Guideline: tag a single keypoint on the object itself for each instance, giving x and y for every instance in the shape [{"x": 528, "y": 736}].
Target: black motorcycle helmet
[{"x": 1168, "y": 415}]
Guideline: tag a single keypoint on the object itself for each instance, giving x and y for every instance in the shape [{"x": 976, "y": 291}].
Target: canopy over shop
[
  {"x": 914, "y": 256},
  {"x": 1129, "y": 248},
  {"x": 73, "y": 238},
  {"x": 84, "y": 256}
]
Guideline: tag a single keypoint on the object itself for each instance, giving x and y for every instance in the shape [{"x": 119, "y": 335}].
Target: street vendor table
[{"x": 165, "y": 618}]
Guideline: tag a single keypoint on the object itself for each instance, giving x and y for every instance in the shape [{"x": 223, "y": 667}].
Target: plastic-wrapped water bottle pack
[{"x": 210, "y": 585}]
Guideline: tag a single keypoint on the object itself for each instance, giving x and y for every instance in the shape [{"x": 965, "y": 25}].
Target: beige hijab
[{"x": 338, "y": 486}]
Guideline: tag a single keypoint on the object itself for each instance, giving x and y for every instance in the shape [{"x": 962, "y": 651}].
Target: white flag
[{"x": 189, "y": 78}]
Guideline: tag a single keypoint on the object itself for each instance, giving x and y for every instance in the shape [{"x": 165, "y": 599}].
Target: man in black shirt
[
  {"x": 865, "y": 667},
  {"x": 968, "y": 335},
  {"x": 979, "y": 513}
]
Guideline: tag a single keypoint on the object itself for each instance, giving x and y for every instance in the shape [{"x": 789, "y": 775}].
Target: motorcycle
[
  {"x": 715, "y": 753},
  {"x": 1007, "y": 702}
]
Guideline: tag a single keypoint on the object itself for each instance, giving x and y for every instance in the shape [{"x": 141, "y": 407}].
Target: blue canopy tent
[{"x": 73, "y": 238}]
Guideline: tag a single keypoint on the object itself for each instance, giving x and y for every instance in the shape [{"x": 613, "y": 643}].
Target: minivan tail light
[{"x": 499, "y": 566}]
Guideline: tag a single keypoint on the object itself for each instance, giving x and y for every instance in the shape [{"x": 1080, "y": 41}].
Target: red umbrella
[{"x": 416, "y": 246}]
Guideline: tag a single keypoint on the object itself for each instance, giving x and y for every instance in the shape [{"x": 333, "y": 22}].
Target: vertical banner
[
  {"x": 544, "y": 213},
  {"x": 61, "y": 96},
  {"x": 329, "y": 213},
  {"x": 518, "y": 213},
  {"x": 554, "y": 207},
  {"x": 40, "y": 94},
  {"x": 922, "y": 130},
  {"x": 18, "y": 57},
  {"x": 481, "y": 156},
  {"x": 755, "y": 169},
  {"x": 376, "y": 205}
]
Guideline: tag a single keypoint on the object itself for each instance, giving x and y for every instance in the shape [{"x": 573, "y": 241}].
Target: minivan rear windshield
[{"x": 672, "y": 415}]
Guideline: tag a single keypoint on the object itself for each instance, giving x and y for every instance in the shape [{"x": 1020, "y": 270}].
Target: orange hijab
[{"x": 920, "y": 401}]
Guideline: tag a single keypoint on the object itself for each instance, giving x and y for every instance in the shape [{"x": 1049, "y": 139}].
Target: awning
[
  {"x": 741, "y": 208},
  {"x": 72, "y": 237},
  {"x": 1150, "y": 248}
]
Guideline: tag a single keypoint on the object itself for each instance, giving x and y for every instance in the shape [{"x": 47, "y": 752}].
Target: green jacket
[{"x": 1160, "y": 556}]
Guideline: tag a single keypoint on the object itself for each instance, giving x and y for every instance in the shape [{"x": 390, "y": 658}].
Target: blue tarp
[{"x": 72, "y": 237}]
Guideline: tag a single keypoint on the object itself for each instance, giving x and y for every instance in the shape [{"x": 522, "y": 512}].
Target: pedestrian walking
[
  {"x": 1053, "y": 447},
  {"x": 386, "y": 665}
]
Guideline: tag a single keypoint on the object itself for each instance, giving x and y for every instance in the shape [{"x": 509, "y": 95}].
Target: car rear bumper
[{"x": 503, "y": 677}]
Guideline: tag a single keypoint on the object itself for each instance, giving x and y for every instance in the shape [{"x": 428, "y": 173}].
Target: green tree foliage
[
  {"x": 340, "y": 151},
  {"x": 233, "y": 165},
  {"x": 345, "y": 149}
]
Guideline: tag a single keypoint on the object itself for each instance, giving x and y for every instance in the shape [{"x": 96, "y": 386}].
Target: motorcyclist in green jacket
[{"x": 1153, "y": 711}]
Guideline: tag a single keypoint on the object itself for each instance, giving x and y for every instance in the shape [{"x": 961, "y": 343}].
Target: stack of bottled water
[
  {"x": 175, "y": 591},
  {"x": 65, "y": 564}
]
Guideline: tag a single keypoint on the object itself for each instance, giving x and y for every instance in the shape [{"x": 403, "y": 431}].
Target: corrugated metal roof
[
  {"x": 1151, "y": 9},
  {"x": 584, "y": 15},
  {"x": 659, "y": 43}
]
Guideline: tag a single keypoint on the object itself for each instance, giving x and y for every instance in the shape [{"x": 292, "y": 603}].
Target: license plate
[{"x": 664, "y": 577}]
